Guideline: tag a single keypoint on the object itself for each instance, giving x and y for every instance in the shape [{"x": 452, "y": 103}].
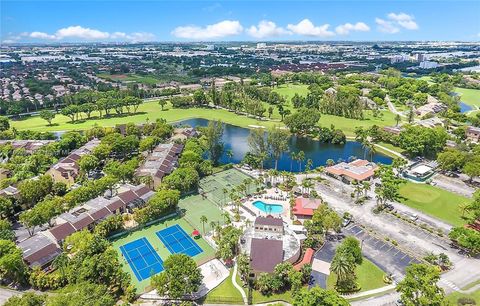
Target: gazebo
[{"x": 196, "y": 234}]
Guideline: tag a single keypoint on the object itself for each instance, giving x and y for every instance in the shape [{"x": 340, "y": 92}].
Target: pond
[
  {"x": 464, "y": 107},
  {"x": 235, "y": 139}
]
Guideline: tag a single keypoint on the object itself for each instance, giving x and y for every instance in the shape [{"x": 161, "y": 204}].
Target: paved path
[
  {"x": 389, "y": 150},
  {"x": 392, "y": 107},
  {"x": 239, "y": 288},
  {"x": 370, "y": 292}
]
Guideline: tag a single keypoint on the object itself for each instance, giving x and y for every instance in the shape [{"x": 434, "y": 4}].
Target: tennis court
[
  {"x": 176, "y": 240},
  {"x": 142, "y": 258},
  {"x": 214, "y": 185}
]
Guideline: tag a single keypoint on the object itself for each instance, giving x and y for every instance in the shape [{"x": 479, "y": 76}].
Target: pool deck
[{"x": 273, "y": 196}]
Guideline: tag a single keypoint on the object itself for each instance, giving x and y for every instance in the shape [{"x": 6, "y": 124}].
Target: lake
[{"x": 235, "y": 139}]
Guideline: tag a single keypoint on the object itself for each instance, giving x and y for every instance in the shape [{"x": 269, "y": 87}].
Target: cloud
[
  {"x": 307, "y": 28},
  {"x": 41, "y": 35},
  {"x": 404, "y": 20},
  {"x": 386, "y": 26},
  {"x": 213, "y": 31},
  {"x": 395, "y": 22},
  {"x": 87, "y": 34},
  {"x": 266, "y": 29},
  {"x": 81, "y": 33},
  {"x": 346, "y": 28}
]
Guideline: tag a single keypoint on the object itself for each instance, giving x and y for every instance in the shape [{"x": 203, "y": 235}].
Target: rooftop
[
  {"x": 359, "y": 169},
  {"x": 265, "y": 254}
]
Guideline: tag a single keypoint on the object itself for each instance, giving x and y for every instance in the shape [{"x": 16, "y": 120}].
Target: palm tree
[
  {"x": 203, "y": 220},
  {"x": 300, "y": 158},
  {"x": 358, "y": 190},
  {"x": 366, "y": 187},
  {"x": 226, "y": 217},
  {"x": 397, "y": 119},
  {"x": 343, "y": 266},
  {"x": 229, "y": 154},
  {"x": 308, "y": 166},
  {"x": 213, "y": 226},
  {"x": 293, "y": 156},
  {"x": 225, "y": 192},
  {"x": 60, "y": 263}
]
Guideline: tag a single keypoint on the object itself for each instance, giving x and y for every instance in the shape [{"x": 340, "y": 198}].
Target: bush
[{"x": 466, "y": 301}]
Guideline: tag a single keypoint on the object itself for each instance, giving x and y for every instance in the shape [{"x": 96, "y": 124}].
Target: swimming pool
[{"x": 268, "y": 208}]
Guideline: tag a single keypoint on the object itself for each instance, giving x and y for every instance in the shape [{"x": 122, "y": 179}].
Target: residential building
[
  {"x": 43, "y": 247},
  {"x": 67, "y": 169},
  {"x": 160, "y": 162},
  {"x": 431, "y": 108},
  {"x": 29, "y": 146},
  {"x": 473, "y": 134}
]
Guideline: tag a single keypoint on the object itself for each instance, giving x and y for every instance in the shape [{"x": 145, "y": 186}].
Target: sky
[{"x": 141, "y": 21}]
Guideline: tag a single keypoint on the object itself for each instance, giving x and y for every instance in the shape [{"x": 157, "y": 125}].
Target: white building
[{"x": 428, "y": 65}]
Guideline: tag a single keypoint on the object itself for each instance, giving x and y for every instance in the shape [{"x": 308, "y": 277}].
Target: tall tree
[
  {"x": 277, "y": 140},
  {"x": 180, "y": 277},
  {"x": 212, "y": 137},
  {"x": 419, "y": 287}
]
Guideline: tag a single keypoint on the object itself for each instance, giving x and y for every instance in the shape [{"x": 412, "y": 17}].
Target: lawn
[
  {"x": 289, "y": 90},
  {"x": 433, "y": 201},
  {"x": 147, "y": 79},
  {"x": 453, "y": 298},
  {"x": 225, "y": 293},
  {"x": 149, "y": 232},
  {"x": 469, "y": 96},
  {"x": 369, "y": 277},
  {"x": 148, "y": 110}
]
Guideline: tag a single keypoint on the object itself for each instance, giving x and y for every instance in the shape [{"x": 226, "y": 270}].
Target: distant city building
[
  {"x": 428, "y": 65},
  {"x": 261, "y": 45}
]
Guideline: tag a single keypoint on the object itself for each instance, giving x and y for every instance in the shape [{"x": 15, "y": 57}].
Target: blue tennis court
[
  {"x": 177, "y": 241},
  {"x": 142, "y": 258}
]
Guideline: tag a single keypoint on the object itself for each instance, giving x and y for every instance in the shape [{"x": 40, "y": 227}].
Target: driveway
[{"x": 321, "y": 263}]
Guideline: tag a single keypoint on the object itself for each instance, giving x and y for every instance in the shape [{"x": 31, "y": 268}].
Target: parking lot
[{"x": 386, "y": 256}]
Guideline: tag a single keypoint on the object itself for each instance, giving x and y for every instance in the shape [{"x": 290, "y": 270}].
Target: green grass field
[
  {"x": 149, "y": 232},
  {"x": 225, "y": 293},
  {"x": 433, "y": 201},
  {"x": 453, "y": 298},
  {"x": 289, "y": 90},
  {"x": 147, "y": 79},
  {"x": 469, "y": 96},
  {"x": 149, "y": 110},
  {"x": 369, "y": 277}
]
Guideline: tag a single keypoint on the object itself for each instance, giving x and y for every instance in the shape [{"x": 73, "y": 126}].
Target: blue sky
[{"x": 83, "y": 21}]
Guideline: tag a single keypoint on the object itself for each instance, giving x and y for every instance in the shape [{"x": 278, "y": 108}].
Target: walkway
[
  {"x": 370, "y": 292},
  {"x": 392, "y": 107},
  {"x": 239, "y": 288}
]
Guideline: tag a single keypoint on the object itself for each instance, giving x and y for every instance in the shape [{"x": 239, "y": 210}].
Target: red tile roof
[
  {"x": 82, "y": 223},
  {"x": 359, "y": 169},
  {"x": 61, "y": 231},
  {"x": 305, "y": 206}
]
